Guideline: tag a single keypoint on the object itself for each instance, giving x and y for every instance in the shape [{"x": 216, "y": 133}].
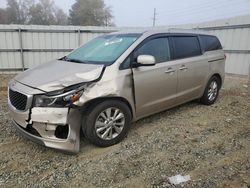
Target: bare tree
[
  {"x": 3, "y": 16},
  {"x": 46, "y": 13},
  {"x": 18, "y": 12},
  {"x": 43, "y": 12},
  {"x": 90, "y": 12},
  {"x": 60, "y": 17}
]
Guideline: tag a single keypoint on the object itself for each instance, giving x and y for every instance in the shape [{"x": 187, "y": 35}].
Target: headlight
[{"x": 59, "y": 100}]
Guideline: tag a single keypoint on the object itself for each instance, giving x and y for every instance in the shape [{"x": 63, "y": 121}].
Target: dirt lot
[{"x": 211, "y": 144}]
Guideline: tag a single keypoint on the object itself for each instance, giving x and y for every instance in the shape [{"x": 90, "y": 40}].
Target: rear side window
[
  {"x": 186, "y": 46},
  {"x": 210, "y": 43},
  {"x": 158, "y": 47}
]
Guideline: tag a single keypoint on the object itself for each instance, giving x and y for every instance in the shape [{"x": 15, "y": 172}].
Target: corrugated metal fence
[
  {"x": 22, "y": 47},
  {"x": 234, "y": 34},
  {"x": 236, "y": 43}
]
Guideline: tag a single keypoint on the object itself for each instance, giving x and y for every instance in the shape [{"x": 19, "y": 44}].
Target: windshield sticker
[{"x": 113, "y": 41}]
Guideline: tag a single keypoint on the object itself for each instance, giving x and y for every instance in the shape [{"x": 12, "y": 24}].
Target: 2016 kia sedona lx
[{"x": 111, "y": 81}]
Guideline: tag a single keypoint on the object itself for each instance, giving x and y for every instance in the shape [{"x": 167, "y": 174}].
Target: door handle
[
  {"x": 170, "y": 70},
  {"x": 183, "y": 67}
]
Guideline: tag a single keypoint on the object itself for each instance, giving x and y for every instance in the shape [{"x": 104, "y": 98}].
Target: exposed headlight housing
[{"x": 58, "y": 99}]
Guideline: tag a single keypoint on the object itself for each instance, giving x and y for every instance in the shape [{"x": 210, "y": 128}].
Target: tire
[
  {"x": 98, "y": 122},
  {"x": 211, "y": 92}
]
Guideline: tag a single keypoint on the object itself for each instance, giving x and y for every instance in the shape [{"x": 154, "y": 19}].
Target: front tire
[
  {"x": 107, "y": 123},
  {"x": 211, "y": 92}
]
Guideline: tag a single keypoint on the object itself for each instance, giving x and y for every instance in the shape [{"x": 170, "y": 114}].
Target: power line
[
  {"x": 201, "y": 8},
  {"x": 198, "y": 13}
]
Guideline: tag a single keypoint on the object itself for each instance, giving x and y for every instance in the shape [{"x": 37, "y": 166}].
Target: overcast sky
[{"x": 169, "y": 12}]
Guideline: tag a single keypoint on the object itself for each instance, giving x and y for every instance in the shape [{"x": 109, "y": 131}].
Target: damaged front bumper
[
  {"x": 57, "y": 128},
  {"x": 60, "y": 130}
]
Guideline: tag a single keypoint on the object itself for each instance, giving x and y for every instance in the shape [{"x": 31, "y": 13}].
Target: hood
[{"x": 58, "y": 74}]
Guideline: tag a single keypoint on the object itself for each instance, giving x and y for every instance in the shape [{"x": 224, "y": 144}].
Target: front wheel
[
  {"x": 211, "y": 92},
  {"x": 107, "y": 123}
]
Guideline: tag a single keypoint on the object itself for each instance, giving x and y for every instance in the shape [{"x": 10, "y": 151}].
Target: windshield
[{"x": 102, "y": 50}]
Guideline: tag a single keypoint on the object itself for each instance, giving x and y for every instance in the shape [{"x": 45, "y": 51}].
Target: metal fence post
[
  {"x": 21, "y": 47},
  {"x": 249, "y": 73},
  {"x": 79, "y": 37}
]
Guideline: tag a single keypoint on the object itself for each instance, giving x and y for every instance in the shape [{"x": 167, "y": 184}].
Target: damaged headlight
[{"x": 58, "y": 99}]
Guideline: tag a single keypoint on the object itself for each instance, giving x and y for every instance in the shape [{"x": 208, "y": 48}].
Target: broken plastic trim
[
  {"x": 62, "y": 132},
  {"x": 31, "y": 130}
]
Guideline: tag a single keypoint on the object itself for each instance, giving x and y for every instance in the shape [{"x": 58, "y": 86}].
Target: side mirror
[{"x": 146, "y": 60}]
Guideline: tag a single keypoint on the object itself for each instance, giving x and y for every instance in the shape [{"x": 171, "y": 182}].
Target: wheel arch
[
  {"x": 219, "y": 77},
  {"x": 88, "y": 105}
]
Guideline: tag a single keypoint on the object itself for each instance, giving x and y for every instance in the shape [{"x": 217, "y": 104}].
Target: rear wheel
[
  {"x": 211, "y": 92},
  {"x": 107, "y": 123}
]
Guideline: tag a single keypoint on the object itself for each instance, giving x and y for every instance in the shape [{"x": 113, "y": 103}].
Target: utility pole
[{"x": 154, "y": 18}]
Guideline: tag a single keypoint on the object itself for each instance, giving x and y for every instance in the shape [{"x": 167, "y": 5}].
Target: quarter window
[
  {"x": 185, "y": 46},
  {"x": 158, "y": 47},
  {"x": 210, "y": 43}
]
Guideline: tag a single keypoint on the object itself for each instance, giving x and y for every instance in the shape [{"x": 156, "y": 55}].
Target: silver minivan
[{"x": 111, "y": 81}]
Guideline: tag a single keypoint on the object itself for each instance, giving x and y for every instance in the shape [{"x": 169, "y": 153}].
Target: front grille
[{"x": 18, "y": 100}]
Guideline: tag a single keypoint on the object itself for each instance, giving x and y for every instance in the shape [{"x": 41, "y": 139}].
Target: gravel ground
[{"x": 209, "y": 143}]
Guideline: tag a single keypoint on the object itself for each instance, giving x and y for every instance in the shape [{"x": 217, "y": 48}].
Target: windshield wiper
[{"x": 73, "y": 60}]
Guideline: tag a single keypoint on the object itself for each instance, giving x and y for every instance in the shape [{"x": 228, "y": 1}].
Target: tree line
[{"x": 45, "y": 12}]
